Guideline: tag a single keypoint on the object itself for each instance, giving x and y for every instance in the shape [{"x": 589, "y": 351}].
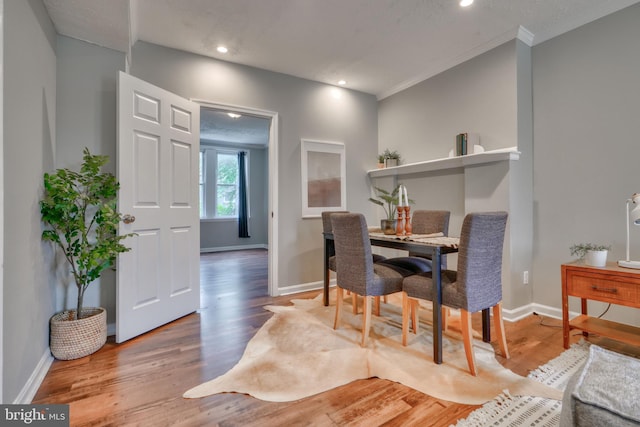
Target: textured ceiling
[
  {"x": 217, "y": 126},
  {"x": 378, "y": 46}
]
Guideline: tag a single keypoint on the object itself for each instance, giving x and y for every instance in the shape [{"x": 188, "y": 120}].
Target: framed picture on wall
[{"x": 323, "y": 177}]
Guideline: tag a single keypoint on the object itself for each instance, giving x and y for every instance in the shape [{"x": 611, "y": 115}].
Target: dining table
[{"x": 432, "y": 246}]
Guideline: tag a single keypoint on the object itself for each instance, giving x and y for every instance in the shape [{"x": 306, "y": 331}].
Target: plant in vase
[
  {"x": 380, "y": 161},
  {"x": 391, "y": 158},
  {"x": 389, "y": 202},
  {"x": 593, "y": 254},
  {"x": 79, "y": 211}
]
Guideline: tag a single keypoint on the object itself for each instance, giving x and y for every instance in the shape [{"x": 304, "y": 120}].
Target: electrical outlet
[{"x": 525, "y": 278}]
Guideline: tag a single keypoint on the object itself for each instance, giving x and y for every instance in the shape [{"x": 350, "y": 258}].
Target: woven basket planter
[{"x": 73, "y": 339}]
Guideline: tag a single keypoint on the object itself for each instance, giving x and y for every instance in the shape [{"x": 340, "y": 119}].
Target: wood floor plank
[{"x": 140, "y": 382}]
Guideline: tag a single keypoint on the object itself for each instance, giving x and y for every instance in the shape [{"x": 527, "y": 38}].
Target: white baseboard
[
  {"x": 516, "y": 314},
  {"x": 511, "y": 315},
  {"x": 30, "y": 389},
  {"x": 304, "y": 287},
  {"x": 234, "y": 248}
]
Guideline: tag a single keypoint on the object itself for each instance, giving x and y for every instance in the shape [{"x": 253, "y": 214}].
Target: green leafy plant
[
  {"x": 581, "y": 249},
  {"x": 380, "y": 158},
  {"x": 79, "y": 211},
  {"x": 388, "y": 200},
  {"x": 388, "y": 154}
]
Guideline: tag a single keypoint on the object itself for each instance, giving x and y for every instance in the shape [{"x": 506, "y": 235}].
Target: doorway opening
[{"x": 226, "y": 130}]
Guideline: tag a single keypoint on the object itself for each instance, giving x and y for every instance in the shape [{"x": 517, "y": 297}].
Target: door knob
[{"x": 128, "y": 219}]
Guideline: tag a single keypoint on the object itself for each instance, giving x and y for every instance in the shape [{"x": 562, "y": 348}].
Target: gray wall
[
  {"x": 306, "y": 110},
  {"x": 422, "y": 121},
  {"x": 86, "y": 117},
  {"x": 221, "y": 234},
  {"x": 585, "y": 109},
  {"x": 572, "y": 99},
  {"x": 29, "y": 145},
  {"x": 586, "y": 113},
  {"x": 489, "y": 95}
]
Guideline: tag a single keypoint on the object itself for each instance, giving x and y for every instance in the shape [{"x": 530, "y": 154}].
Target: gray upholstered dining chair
[
  {"x": 356, "y": 271},
  {"x": 326, "y": 228},
  {"x": 429, "y": 222},
  {"x": 475, "y": 286}
]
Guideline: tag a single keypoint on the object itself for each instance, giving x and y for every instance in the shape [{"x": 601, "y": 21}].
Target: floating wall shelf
[{"x": 501, "y": 155}]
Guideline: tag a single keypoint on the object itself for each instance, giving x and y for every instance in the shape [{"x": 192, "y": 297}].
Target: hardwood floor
[{"x": 141, "y": 381}]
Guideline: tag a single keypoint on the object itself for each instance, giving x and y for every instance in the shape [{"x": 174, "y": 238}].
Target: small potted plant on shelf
[
  {"x": 380, "y": 161},
  {"x": 594, "y": 255},
  {"x": 389, "y": 202},
  {"x": 79, "y": 212},
  {"x": 391, "y": 158}
]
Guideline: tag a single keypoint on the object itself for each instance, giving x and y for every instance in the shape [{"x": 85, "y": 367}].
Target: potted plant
[
  {"x": 389, "y": 202},
  {"x": 391, "y": 158},
  {"x": 380, "y": 161},
  {"x": 594, "y": 255},
  {"x": 79, "y": 212}
]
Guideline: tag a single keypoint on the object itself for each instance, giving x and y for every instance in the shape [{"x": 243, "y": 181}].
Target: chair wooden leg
[
  {"x": 406, "y": 307},
  {"x": 499, "y": 325},
  {"x": 445, "y": 318},
  {"x": 467, "y": 337},
  {"x": 376, "y": 310},
  {"x": 339, "y": 295},
  {"x": 366, "y": 319},
  {"x": 415, "y": 319}
]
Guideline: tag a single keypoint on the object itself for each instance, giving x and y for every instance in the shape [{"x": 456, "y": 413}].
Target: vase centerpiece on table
[
  {"x": 79, "y": 212},
  {"x": 389, "y": 202}
]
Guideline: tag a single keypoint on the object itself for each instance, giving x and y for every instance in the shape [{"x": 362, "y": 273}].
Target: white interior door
[{"x": 158, "y": 144}]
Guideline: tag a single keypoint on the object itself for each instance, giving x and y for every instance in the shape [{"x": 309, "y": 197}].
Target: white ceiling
[
  {"x": 217, "y": 127},
  {"x": 378, "y": 46}
]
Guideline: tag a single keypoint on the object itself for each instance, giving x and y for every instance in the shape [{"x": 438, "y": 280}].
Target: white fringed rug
[{"x": 507, "y": 410}]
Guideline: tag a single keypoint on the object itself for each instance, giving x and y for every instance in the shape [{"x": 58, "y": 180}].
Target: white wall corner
[{"x": 525, "y": 36}]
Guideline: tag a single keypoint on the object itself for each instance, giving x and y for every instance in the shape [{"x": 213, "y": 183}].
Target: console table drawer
[
  {"x": 602, "y": 289},
  {"x": 612, "y": 284}
]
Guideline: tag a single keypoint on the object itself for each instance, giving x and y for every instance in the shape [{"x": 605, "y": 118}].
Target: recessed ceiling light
[
  {"x": 342, "y": 82},
  {"x": 222, "y": 49},
  {"x": 465, "y": 3},
  {"x": 234, "y": 115}
]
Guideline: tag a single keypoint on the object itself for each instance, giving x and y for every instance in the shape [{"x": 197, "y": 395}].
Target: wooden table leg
[
  {"x": 437, "y": 305},
  {"x": 486, "y": 325},
  {"x": 584, "y": 311},
  {"x": 565, "y": 311},
  {"x": 328, "y": 249}
]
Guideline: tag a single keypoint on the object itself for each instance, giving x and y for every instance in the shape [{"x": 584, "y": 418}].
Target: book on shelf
[
  {"x": 461, "y": 144},
  {"x": 466, "y": 143}
]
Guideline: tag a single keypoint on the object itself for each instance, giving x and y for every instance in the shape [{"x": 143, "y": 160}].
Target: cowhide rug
[{"x": 297, "y": 353}]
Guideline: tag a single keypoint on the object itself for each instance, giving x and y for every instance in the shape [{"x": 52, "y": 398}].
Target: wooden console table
[{"x": 611, "y": 284}]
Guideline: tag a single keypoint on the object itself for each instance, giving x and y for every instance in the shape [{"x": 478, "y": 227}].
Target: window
[
  {"x": 219, "y": 182},
  {"x": 227, "y": 184}
]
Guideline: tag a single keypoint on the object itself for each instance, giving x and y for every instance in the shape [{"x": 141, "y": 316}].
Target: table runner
[{"x": 433, "y": 238}]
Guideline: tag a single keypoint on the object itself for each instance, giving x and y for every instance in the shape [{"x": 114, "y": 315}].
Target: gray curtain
[{"x": 243, "y": 214}]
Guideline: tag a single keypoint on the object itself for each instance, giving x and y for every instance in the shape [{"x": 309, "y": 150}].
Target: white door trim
[{"x": 273, "y": 182}]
